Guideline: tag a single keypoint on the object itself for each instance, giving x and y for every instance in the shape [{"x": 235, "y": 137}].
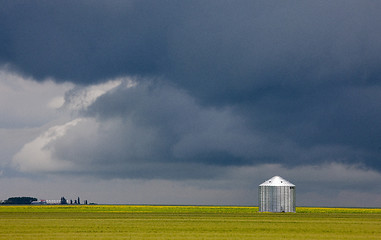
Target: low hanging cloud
[
  {"x": 149, "y": 130},
  {"x": 37, "y": 156},
  {"x": 158, "y": 131}
]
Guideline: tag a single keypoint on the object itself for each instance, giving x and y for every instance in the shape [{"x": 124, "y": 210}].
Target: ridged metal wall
[{"x": 276, "y": 198}]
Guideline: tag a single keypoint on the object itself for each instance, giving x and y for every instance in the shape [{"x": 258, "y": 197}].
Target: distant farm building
[
  {"x": 276, "y": 195},
  {"x": 49, "y": 202},
  {"x": 57, "y": 202}
]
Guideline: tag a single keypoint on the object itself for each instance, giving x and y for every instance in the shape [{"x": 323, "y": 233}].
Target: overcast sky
[{"x": 190, "y": 102}]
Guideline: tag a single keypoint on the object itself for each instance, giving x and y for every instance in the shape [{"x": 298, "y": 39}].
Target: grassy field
[{"x": 185, "y": 222}]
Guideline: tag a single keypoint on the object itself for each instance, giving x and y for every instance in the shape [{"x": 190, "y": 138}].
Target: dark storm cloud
[
  {"x": 153, "y": 130},
  {"x": 303, "y": 78},
  {"x": 220, "y": 50}
]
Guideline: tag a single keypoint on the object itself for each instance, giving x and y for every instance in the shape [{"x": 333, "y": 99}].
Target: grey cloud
[
  {"x": 83, "y": 41},
  {"x": 148, "y": 131},
  {"x": 219, "y": 50},
  {"x": 344, "y": 118},
  {"x": 27, "y": 103},
  {"x": 153, "y": 130}
]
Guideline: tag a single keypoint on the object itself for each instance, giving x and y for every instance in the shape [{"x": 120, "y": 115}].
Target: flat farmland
[{"x": 185, "y": 222}]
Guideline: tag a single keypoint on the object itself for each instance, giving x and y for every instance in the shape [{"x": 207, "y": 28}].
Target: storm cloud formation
[{"x": 216, "y": 83}]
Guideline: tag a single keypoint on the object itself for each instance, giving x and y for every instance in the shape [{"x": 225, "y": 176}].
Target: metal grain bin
[{"x": 276, "y": 195}]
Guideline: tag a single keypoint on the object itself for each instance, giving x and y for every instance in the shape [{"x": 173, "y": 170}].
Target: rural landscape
[
  {"x": 186, "y": 222},
  {"x": 190, "y": 119}
]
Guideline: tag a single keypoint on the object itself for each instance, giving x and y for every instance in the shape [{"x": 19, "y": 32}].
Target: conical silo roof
[{"x": 277, "y": 181}]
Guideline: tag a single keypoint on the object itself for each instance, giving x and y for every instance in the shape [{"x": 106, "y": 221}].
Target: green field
[{"x": 185, "y": 222}]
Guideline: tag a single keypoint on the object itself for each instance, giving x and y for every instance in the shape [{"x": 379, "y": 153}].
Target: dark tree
[
  {"x": 20, "y": 200},
  {"x": 63, "y": 200}
]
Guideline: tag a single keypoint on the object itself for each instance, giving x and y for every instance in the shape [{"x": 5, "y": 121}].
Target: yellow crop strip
[{"x": 185, "y": 222}]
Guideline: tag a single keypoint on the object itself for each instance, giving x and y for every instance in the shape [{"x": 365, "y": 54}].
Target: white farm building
[{"x": 276, "y": 195}]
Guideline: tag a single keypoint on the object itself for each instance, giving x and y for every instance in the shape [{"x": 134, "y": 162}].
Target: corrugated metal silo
[{"x": 276, "y": 195}]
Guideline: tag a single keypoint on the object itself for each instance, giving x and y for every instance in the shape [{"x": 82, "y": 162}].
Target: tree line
[{"x": 19, "y": 200}]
